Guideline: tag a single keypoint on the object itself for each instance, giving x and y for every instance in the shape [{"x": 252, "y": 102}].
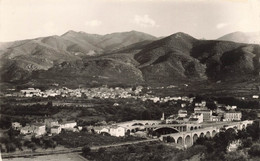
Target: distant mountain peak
[
  {"x": 182, "y": 35},
  {"x": 70, "y": 32},
  {"x": 242, "y": 37}
]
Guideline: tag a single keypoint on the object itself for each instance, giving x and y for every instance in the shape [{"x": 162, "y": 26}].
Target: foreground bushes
[{"x": 254, "y": 151}]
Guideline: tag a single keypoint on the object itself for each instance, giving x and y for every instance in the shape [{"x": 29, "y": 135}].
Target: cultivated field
[{"x": 56, "y": 157}]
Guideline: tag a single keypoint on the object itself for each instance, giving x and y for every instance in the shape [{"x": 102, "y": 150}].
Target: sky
[{"x": 209, "y": 19}]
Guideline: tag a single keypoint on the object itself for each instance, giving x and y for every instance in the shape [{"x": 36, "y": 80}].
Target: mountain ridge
[{"x": 177, "y": 58}]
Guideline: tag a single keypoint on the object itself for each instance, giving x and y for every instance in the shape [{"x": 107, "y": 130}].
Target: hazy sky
[{"x": 210, "y": 19}]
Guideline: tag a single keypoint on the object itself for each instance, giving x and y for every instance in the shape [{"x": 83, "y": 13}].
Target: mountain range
[{"x": 127, "y": 58}]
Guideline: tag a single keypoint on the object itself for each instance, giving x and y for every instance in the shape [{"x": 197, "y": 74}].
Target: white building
[
  {"x": 117, "y": 131},
  {"x": 55, "y": 130},
  {"x": 50, "y": 123},
  {"x": 232, "y": 116},
  {"x": 68, "y": 125},
  {"x": 26, "y": 130},
  {"x": 39, "y": 129},
  {"x": 16, "y": 125},
  {"x": 182, "y": 113},
  {"x": 30, "y": 92},
  {"x": 171, "y": 119},
  {"x": 105, "y": 130},
  {"x": 205, "y": 111},
  {"x": 196, "y": 118}
]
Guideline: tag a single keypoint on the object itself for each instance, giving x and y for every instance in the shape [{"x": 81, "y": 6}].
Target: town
[
  {"x": 201, "y": 116},
  {"x": 195, "y": 118},
  {"x": 104, "y": 92}
]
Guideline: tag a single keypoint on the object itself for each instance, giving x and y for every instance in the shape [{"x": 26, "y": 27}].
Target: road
[{"x": 72, "y": 150}]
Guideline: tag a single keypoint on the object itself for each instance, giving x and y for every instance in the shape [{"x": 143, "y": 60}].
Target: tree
[
  {"x": 49, "y": 104},
  {"x": 170, "y": 139},
  {"x": 49, "y": 143},
  {"x": 235, "y": 156},
  {"x": 230, "y": 135},
  {"x": 101, "y": 150},
  {"x": 254, "y": 130},
  {"x": 254, "y": 151},
  {"x": 18, "y": 143},
  {"x": 211, "y": 105},
  {"x": 10, "y": 147},
  {"x": 160, "y": 147},
  {"x": 131, "y": 149},
  {"x": 147, "y": 148},
  {"x": 248, "y": 142},
  {"x": 242, "y": 134},
  {"x": 32, "y": 146},
  {"x": 146, "y": 115},
  {"x": 86, "y": 150}
]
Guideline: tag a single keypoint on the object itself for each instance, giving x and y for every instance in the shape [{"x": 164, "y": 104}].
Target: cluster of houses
[
  {"x": 101, "y": 92},
  {"x": 48, "y": 126},
  {"x": 105, "y": 92},
  {"x": 121, "y": 129},
  {"x": 203, "y": 114}
]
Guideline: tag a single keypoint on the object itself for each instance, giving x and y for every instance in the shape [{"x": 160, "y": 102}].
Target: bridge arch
[
  {"x": 191, "y": 128},
  {"x": 180, "y": 141},
  {"x": 208, "y": 134},
  {"x": 243, "y": 126},
  {"x": 195, "y": 128},
  {"x": 202, "y": 134},
  {"x": 166, "y": 130},
  {"x": 188, "y": 141},
  {"x": 195, "y": 137},
  {"x": 138, "y": 124},
  {"x": 214, "y": 133},
  {"x": 104, "y": 133}
]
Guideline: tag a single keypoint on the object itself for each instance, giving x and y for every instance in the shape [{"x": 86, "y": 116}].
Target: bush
[
  {"x": 10, "y": 147},
  {"x": 49, "y": 143},
  {"x": 147, "y": 148},
  {"x": 247, "y": 142},
  {"x": 131, "y": 149},
  {"x": 160, "y": 147},
  {"x": 26, "y": 143},
  {"x": 235, "y": 156},
  {"x": 254, "y": 151},
  {"x": 194, "y": 150},
  {"x": 101, "y": 150},
  {"x": 170, "y": 139},
  {"x": 32, "y": 146},
  {"x": 86, "y": 150}
]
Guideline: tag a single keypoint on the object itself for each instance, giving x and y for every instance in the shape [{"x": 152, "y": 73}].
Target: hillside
[
  {"x": 242, "y": 37},
  {"x": 180, "y": 57},
  {"x": 20, "y": 58},
  {"x": 128, "y": 59}
]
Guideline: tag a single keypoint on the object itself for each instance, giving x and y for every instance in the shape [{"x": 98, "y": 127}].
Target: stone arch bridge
[
  {"x": 163, "y": 129},
  {"x": 187, "y": 138}
]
